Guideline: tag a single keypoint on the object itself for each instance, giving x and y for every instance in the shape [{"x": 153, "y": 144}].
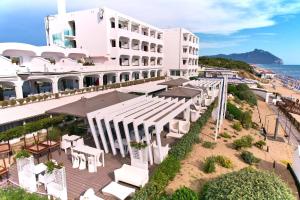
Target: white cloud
[{"x": 204, "y": 16}]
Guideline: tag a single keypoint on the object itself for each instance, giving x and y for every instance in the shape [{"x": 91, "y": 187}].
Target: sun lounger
[
  {"x": 117, "y": 190},
  {"x": 174, "y": 135},
  {"x": 132, "y": 175}
]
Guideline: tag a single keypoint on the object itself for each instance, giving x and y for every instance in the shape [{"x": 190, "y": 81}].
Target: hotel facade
[{"x": 95, "y": 47}]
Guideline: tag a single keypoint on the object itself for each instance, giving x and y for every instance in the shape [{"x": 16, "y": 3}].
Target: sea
[{"x": 292, "y": 71}]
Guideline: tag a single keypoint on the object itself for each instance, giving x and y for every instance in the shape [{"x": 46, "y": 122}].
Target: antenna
[{"x": 61, "y": 7}]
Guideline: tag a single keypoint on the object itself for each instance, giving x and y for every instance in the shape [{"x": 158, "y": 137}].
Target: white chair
[
  {"x": 56, "y": 190},
  {"x": 174, "y": 126},
  {"x": 98, "y": 161},
  {"x": 92, "y": 164},
  {"x": 75, "y": 160},
  {"x": 184, "y": 127},
  {"x": 65, "y": 145},
  {"x": 78, "y": 142},
  {"x": 89, "y": 195},
  {"x": 194, "y": 115},
  {"x": 82, "y": 164},
  {"x": 45, "y": 179}
]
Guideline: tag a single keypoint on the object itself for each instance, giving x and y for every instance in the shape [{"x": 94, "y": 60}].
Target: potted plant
[
  {"x": 140, "y": 150},
  {"x": 51, "y": 166},
  {"x": 22, "y": 154}
]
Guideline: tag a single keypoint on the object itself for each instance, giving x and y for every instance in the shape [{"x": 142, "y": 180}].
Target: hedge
[
  {"x": 246, "y": 184},
  {"x": 30, "y": 127},
  {"x": 12, "y": 193},
  {"x": 169, "y": 167}
]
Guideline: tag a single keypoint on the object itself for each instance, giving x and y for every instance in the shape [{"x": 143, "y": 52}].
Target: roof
[
  {"x": 84, "y": 106},
  {"x": 174, "y": 82},
  {"x": 181, "y": 92},
  {"x": 204, "y": 89}
]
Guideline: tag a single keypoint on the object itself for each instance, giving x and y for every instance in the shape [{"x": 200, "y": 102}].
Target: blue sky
[{"x": 224, "y": 26}]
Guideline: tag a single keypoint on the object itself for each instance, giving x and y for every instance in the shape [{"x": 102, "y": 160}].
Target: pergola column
[
  {"x": 19, "y": 90},
  {"x": 55, "y": 85},
  {"x": 80, "y": 82}
]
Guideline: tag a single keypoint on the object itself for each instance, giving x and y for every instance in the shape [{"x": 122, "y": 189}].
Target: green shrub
[
  {"x": 237, "y": 126},
  {"x": 209, "y": 165},
  {"x": 247, "y": 183},
  {"x": 249, "y": 158},
  {"x": 30, "y": 127},
  {"x": 236, "y": 112},
  {"x": 224, "y": 161},
  {"x": 225, "y": 135},
  {"x": 209, "y": 145},
  {"x": 4, "y": 103},
  {"x": 244, "y": 142},
  {"x": 246, "y": 120},
  {"x": 12, "y": 102},
  {"x": 260, "y": 144},
  {"x": 184, "y": 193},
  {"x": 54, "y": 134},
  {"x": 28, "y": 99},
  {"x": 21, "y": 101}
]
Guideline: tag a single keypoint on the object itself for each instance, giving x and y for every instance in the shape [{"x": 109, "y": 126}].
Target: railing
[{"x": 43, "y": 97}]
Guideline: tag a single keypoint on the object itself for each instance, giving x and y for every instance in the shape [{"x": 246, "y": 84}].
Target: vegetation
[
  {"x": 260, "y": 144},
  {"x": 210, "y": 163},
  {"x": 167, "y": 170},
  {"x": 22, "y": 154},
  {"x": 15, "y": 193},
  {"x": 243, "y": 92},
  {"x": 225, "y": 63},
  {"x": 247, "y": 183},
  {"x": 244, "y": 142},
  {"x": 237, "y": 126},
  {"x": 138, "y": 145},
  {"x": 54, "y": 134},
  {"x": 183, "y": 193},
  {"x": 225, "y": 135},
  {"x": 249, "y": 158},
  {"x": 30, "y": 127},
  {"x": 245, "y": 118},
  {"x": 51, "y": 166},
  {"x": 209, "y": 145}
]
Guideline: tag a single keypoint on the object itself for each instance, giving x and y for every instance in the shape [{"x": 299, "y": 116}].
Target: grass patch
[
  {"x": 209, "y": 145},
  {"x": 244, "y": 142}
]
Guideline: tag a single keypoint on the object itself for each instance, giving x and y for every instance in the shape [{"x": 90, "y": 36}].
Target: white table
[
  {"x": 71, "y": 138},
  {"x": 90, "y": 151},
  {"x": 39, "y": 168}
]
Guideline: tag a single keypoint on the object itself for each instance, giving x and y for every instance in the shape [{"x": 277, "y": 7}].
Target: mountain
[{"x": 257, "y": 56}]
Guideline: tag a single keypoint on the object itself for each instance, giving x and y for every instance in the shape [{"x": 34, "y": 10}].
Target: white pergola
[
  {"x": 116, "y": 126},
  {"x": 146, "y": 111},
  {"x": 216, "y": 87}
]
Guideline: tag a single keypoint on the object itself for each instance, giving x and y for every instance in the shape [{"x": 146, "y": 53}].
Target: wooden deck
[{"x": 78, "y": 181}]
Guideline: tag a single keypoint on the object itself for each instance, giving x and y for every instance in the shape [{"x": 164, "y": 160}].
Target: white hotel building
[{"x": 95, "y": 47}]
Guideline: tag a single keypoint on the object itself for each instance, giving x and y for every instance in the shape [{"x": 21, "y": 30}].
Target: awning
[
  {"x": 181, "y": 92},
  {"x": 175, "y": 82},
  {"x": 83, "y": 106}
]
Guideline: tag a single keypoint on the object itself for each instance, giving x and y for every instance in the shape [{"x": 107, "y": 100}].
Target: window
[
  {"x": 113, "y": 43},
  {"x": 112, "y": 24}
]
